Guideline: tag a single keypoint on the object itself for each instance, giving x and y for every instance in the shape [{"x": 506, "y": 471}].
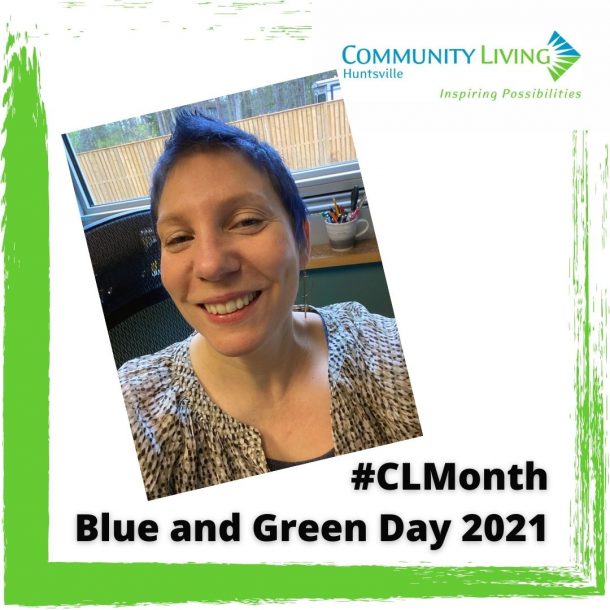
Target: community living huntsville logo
[
  {"x": 558, "y": 56},
  {"x": 564, "y": 56}
]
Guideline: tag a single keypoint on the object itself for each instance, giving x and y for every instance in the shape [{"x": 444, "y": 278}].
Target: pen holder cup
[{"x": 342, "y": 235}]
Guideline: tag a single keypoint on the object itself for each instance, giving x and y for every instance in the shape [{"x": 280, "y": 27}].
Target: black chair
[{"x": 140, "y": 316}]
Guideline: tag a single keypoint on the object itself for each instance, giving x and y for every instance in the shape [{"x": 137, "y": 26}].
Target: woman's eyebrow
[
  {"x": 245, "y": 198},
  {"x": 231, "y": 201},
  {"x": 171, "y": 218}
]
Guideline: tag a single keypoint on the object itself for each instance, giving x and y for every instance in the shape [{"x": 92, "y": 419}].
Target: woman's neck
[
  {"x": 268, "y": 371},
  {"x": 282, "y": 390}
]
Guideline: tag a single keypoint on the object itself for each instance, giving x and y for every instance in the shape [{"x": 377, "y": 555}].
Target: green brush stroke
[
  {"x": 591, "y": 314},
  {"x": 604, "y": 183},
  {"x": 26, "y": 315},
  {"x": 159, "y": 583},
  {"x": 31, "y": 580}
]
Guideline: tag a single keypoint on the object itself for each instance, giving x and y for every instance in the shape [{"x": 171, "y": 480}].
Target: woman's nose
[{"x": 214, "y": 258}]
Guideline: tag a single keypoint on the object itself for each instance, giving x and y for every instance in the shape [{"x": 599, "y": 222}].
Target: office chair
[{"x": 140, "y": 316}]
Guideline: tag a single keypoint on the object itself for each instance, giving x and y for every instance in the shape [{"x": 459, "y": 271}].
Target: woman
[{"x": 260, "y": 385}]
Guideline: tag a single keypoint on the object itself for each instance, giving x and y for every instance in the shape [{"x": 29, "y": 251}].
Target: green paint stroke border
[{"x": 29, "y": 577}]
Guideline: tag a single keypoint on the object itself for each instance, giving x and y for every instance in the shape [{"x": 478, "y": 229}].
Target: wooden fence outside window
[{"x": 307, "y": 137}]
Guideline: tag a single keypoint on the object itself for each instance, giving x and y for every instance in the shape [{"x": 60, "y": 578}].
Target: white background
[{"x": 471, "y": 203}]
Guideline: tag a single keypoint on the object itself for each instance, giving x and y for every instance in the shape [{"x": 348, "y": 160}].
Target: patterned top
[{"x": 185, "y": 441}]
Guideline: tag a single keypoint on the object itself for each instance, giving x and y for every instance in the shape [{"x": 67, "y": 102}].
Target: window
[{"x": 304, "y": 119}]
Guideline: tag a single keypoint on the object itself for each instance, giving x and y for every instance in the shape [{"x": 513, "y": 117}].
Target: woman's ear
[{"x": 305, "y": 248}]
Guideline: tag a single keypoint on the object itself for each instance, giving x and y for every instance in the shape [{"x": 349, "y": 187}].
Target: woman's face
[{"x": 229, "y": 259}]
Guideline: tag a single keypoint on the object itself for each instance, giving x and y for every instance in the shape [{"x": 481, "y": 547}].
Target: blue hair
[{"x": 194, "y": 132}]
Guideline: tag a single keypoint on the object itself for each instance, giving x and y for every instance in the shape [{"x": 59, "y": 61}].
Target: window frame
[{"x": 317, "y": 186}]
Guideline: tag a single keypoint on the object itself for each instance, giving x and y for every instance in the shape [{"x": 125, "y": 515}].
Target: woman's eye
[
  {"x": 177, "y": 240},
  {"x": 248, "y": 223}
]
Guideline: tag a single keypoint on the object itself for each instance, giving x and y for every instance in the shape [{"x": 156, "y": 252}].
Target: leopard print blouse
[{"x": 184, "y": 441}]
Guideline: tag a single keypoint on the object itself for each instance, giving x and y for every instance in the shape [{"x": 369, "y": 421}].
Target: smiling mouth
[{"x": 220, "y": 309}]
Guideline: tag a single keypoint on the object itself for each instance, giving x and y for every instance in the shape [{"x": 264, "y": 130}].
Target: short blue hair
[{"x": 195, "y": 132}]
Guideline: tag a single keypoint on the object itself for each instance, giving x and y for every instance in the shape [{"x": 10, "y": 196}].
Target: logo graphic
[{"x": 564, "y": 56}]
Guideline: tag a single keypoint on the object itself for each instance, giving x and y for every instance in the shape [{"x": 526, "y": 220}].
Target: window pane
[{"x": 304, "y": 119}]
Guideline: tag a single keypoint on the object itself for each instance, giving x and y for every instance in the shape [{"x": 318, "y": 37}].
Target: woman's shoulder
[
  {"x": 373, "y": 395},
  {"x": 145, "y": 378},
  {"x": 356, "y": 335},
  {"x": 350, "y": 310},
  {"x": 354, "y": 318}
]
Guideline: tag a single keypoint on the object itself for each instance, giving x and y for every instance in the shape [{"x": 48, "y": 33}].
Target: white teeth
[{"x": 230, "y": 306}]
